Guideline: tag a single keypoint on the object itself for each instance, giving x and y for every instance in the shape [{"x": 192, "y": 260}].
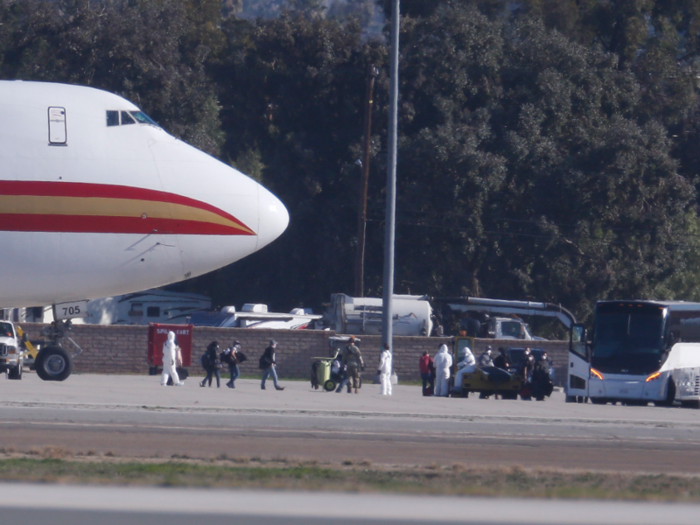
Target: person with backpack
[
  {"x": 268, "y": 364},
  {"x": 232, "y": 356},
  {"x": 212, "y": 364}
]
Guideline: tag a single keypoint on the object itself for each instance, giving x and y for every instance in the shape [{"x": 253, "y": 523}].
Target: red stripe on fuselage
[
  {"x": 108, "y": 224},
  {"x": 101, "y": 224}
]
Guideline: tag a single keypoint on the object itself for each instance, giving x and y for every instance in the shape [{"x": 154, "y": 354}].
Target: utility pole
[
  {"x": 388, "y": 284},
  {"x": 364, "y": 165}
]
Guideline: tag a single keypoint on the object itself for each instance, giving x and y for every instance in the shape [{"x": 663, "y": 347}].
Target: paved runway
[{"x": 135, "y": 416}]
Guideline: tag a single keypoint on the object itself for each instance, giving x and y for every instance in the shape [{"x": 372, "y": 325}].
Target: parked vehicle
[
  {"x": 256, "y": 316},
  {"x": 363, "y": 315},
  {"x": 11, "y": 358}
]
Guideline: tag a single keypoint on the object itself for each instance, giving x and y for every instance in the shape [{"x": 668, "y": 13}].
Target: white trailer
[{"x": 363, "y": 315}]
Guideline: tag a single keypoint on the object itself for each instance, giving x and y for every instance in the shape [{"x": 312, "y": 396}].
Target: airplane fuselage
[{"x": 96, "y": 200}]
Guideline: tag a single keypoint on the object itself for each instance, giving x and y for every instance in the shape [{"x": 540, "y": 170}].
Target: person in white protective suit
[
  {"x": 170, "y": 362},
  {"x": 442, "y": 362},
  {"x": 385, "y": 370},
  {"x": 465, "y": 365}
]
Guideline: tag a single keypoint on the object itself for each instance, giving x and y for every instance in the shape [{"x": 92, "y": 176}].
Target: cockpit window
[
  {"x": 142, "y": 118},
  {"x": 127, "y": 119},
  {"x": 112, "y": 118}
]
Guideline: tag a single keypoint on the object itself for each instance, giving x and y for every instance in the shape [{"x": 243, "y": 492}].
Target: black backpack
[
  {"x": 264, "y": 362},
  {"x": 204, "y": 360}
]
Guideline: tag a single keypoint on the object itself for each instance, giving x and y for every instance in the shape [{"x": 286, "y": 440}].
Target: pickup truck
[{"x": 11, "y": 356}]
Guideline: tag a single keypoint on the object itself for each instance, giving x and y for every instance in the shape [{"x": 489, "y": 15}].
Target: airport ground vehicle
[
  {"x": 641, "y": 352},
  {"x": 487, "y": 381},
  {"x": 11, "y": 355}
]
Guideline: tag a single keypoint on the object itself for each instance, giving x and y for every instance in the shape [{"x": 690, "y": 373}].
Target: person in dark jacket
[
  {"x": 268, "y": 363},
  {"x": 502, "y": 360},
  {"x": 211, "y": 364},
  {"x": 230, "y": 357},
  {"x": 541, "y": 380}
]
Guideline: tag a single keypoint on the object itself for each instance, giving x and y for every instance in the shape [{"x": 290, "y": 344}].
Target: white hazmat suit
[
  {"x": 466, "y": 366},
  {"x": 385, "y": 371},
  {"x": 442, "y": 362},
  {"x": 170, "y": 362}
]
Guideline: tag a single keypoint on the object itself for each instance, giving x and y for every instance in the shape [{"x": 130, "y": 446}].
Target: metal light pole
[
  {"x": 388, "y": 285},
  {"x": 364, "y": 165}
]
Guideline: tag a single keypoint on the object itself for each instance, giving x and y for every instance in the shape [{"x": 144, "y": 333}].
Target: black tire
[
  {"x": 690, "y": 404},
  {"x": 54, "y": 364},
  {"x": 15, "y": 373},
  {"x": 329, "y": 385},
  {"x": 670, "y": 395},
  {"x": 598, "y": 400}
]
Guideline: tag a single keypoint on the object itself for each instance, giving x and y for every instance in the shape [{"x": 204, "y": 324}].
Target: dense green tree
[
  {"x": 292, "y": 90},
  {"x": 152, "y": 53},
  {"x": 530, "y": 168}
]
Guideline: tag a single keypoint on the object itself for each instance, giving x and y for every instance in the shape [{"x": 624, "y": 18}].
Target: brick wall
[{"x": 123, "y": 349}]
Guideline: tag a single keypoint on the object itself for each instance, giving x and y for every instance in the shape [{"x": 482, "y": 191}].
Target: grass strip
[{"x": 348, "y": 476}]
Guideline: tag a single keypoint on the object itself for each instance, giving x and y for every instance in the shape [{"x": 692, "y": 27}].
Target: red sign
[{"x": 158, "y": 335}]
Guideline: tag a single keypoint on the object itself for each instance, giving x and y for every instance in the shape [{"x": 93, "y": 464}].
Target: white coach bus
[{"x": 641, "y": 352}]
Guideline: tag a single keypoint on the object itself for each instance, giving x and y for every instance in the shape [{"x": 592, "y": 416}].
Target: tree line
[{"x": 548, "y": 149}]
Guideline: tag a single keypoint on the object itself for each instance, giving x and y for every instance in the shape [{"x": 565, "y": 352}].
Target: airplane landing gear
[{"x": 53, "y": 364}]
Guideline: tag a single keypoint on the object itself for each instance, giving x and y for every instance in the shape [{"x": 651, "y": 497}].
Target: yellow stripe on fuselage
[{"x": 106, "y": 207}]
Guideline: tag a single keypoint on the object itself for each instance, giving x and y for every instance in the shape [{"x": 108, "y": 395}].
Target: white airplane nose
[{"x": 273, "y": 217}]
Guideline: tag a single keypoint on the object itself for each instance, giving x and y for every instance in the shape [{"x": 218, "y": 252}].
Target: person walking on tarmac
[
  {"x": 443, "y": 362},
  {"x": 385, "y": 370},
  {"x": 268, "y": 363},
  {"x": 212, "y": 364},
  {"x": 170, "y": 362},
  {"x": 232, "y": 356},
  {"x": 352, "y": 359}
]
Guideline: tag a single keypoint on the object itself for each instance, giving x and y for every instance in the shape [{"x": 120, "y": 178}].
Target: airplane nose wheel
[{"x": 53, "y": 364}]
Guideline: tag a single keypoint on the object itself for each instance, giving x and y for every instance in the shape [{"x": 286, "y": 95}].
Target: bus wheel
[
  {"x": 670, "y": 395},
  {"x": 690, "y": 404},
  {"x": 598, "y": 400}
]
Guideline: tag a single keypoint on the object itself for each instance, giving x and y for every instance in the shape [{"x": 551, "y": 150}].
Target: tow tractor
[{"x": 487, "y": 381}]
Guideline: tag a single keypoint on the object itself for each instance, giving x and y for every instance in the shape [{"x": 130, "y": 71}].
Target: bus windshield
[{"x": 628, "y": 338}]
